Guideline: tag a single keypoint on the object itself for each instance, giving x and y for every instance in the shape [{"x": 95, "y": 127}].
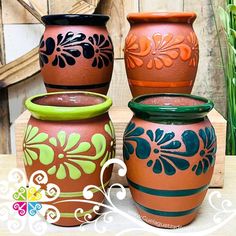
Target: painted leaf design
[
  {"x": 132, "y": 136},
  {"x": 191, "y": 143},
  {"x": 161, "y": 160},
  {"x": 73, "y": 158},
  {"x": 34, "y": 147},
  {"x": 208, "y": 152}
]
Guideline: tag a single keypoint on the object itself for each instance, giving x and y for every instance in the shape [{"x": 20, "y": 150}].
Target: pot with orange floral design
[{"x": 161, "y": 52}]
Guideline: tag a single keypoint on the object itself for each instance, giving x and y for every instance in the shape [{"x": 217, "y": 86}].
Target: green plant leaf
[
  {"x": 231, "y": 8},
  {"x": 225, "y": 18}
]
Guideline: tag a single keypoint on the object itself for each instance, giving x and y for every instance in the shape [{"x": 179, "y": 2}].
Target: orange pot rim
[{"x": 154, "y": 17}]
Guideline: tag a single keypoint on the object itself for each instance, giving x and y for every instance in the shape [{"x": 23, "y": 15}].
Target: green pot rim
[
  {"x": 63, "y": 113},
  {"x": 170, "y": 113}
]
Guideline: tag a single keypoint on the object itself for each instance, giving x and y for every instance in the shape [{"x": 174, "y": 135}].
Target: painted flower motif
[
  {"x": 192, "y": 39},
  {"x": 103, "y": 52},
  {"x": 208, "y": 153},
  {"x": 34, "y": 147},
  {"x": 163, "y": 160},
  {"x": 46, "y": 48},
  {"x": 109, "y": 128},
  {"x": 67, "y": 49},
  {"x": 71, "y": 157},
  {"x": 166, "y": 49},
  {"x": 131, "y": 136},
  {"x": 136, "y": 48}
]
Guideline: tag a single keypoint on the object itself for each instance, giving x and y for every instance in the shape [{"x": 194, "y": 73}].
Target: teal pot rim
[
  {"x": 169, "y": 112},
  {"x": 68, "y": 112}
]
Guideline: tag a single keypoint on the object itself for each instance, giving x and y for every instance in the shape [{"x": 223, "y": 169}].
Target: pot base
[{"x": 166, "y": 222}]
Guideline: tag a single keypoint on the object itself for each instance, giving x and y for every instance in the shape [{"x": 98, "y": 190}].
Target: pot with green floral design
[
  {"x": 169, "y": 149},
  {"x": 70, "y": 136}
]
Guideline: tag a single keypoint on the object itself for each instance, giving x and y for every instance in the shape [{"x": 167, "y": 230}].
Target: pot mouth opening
[
  {"x": 171, "y": 106},
  {"x": 60, "y": 106},
  {"x": 76, "y": 19},
  {"x": 155, "y": 17}
]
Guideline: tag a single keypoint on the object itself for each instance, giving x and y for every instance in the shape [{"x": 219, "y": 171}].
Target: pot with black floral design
[
  {"x": 161, "y": 52},
  {"x": 70, "y": 136},
  {"x": 169, "y": 149},
  {"x": 76, "y": 53}
]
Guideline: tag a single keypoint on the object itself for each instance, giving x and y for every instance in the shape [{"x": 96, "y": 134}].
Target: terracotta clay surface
[
  {"x": 72, "y": 153},
  {"x": 76, "y": 53},
  {"x": 170, "y": 160},
  {"x": 161, "y": 53}
]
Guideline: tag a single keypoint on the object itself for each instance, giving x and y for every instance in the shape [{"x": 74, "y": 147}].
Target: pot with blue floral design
[
  {"x": 169, "y": 149},
  {"x": 70, "y": 136},
  {"x": 76, "y": 53}
]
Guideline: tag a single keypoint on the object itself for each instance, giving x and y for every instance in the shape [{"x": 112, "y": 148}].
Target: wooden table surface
[{"x": 120, "y": 223}]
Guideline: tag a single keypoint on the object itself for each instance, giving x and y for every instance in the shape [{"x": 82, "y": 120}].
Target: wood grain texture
[
  {"x": 118, "y": 25},
  {"x": 160, "y": 5},
  {"x": 120, "y": 118},
  {"x": 20, "y": 69},
  {"x": 2, "y": 45},
  {"x": 4, "y": 122},
  {"x": 32, "y": 7},
  {"x": 210, "y": 81},
  {"x": 14, "y": 13},
  {"x": 20, "y": 92},
  {"x": 58, "y": 6},
  {"x": 119, "y": 88}
]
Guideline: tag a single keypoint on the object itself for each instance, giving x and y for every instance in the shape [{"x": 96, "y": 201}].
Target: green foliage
[{"x": 228, "y": 19}]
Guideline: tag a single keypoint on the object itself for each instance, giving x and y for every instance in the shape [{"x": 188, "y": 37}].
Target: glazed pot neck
[
  {"x": 171, "y": 108},
  {"x": 162, "y": 17},
  {"x": 68, "y": 106},
  {"x": 75, "y": 19}
]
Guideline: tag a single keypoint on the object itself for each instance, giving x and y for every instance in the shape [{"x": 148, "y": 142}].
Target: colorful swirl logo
[{"x": 27, "y": 201}]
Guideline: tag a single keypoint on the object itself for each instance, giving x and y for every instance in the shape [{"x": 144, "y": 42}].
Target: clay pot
[
  {"x": 169, "y": 150},
  {"x": 76, "y": 53},
  {"x": 70, "y": 136},
  {"x": 161, "y": 53}
]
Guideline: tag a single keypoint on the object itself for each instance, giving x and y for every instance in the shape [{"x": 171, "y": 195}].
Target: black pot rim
[{"x": 75, "y": 19}]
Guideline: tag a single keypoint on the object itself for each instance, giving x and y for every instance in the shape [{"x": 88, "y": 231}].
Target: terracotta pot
[
  {"x": 76, "y": 53},
  {"x": 161, "y": 53},
  {"x": 169, "y": 150},
  {"x": 70, "y": 136}
]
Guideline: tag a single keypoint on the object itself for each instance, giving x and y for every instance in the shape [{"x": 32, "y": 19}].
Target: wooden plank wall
[{"x": 210, "y": 78}]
